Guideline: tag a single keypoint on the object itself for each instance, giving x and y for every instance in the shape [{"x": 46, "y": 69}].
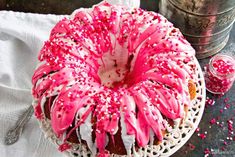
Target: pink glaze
[
  {"x": 38, "y": 111},
  {"x": 64, "y": 147},
  {"x": 103, "y": 154},
  {"x": 150, "y": 115},
  {"x": 142, "y": 130},
  {"x": 155, "y": 80},
  {"x": 63, "y": 112}
]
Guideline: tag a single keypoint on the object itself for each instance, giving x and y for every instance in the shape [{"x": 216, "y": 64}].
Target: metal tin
[{"x": 206, "y": 24}]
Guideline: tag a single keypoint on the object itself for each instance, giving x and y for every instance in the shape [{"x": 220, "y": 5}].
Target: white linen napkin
[{"x": 21, "y": 38}]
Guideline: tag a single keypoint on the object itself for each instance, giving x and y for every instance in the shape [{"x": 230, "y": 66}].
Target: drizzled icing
[{"x": 146, "y": 54}]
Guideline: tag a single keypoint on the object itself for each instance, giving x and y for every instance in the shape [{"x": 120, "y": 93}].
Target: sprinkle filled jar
[{"x": 220, "y": 74}]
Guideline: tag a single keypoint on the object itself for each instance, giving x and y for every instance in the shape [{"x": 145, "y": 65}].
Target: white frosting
[
  {"x": 151, "y": 137},
  {"x": 43, "y": 100},
  {"x": 128, "y": 140},
  {"x": 86, "y": 134}
]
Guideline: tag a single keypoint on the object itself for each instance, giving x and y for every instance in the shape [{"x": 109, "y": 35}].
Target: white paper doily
[{"x": 172, "y": 142}]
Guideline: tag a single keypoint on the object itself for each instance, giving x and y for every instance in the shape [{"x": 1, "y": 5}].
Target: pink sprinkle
[
  {"x": 221, "y": 125},
  {"x": 227, "y": 106},
  {"x": 202, "y": 136},
  {"x": 198, "y": 129},
  {"x": 191, "y": 146},
  {"x": 223, "y": 66},
  {"x": 225, "y": 143},
  {"x": 64, "y": 146},
  {"x": 230, "y": 126},
  {"x": 226, "y": 100},
  {"x": 212, "y": 121},
  {"x": 207, "y": 151},
  {"x": 209, "y": 102},
  {"x": 103, "y": 154},
  {"x": 38, "y": 112},
  {"x": 223, "y": 148}
]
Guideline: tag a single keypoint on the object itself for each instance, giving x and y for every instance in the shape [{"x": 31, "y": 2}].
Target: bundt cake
[{"x": 113, "y": 79}]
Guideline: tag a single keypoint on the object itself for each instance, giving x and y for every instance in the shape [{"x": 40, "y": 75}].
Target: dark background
[
  {"x": 59, "y": 6},
  {"x": 216, "y": 134}
]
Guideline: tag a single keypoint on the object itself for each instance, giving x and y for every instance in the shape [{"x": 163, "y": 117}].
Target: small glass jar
[{"x": 220, "y": 74}]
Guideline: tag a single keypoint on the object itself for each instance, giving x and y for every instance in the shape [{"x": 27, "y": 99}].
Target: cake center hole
[{"x": 114, "y": 69}]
